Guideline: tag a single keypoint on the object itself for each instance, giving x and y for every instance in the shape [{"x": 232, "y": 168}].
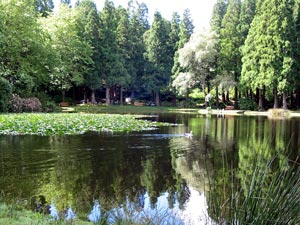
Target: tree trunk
[
  {"x": 107, "y": 95},
  {"x": 93, "y": 99},
  {"x": 297, "y": 98},
  {"x": 132, "y": 98},
  {"x": 63, "y": 92},
  {"x": 223, "y": 96},
  {"x": 157, "y": 98},
  {"x": 121, "y": 95},
  {"x": 292, "y": 99},
  {"x": 260, "y": 100},
  {"x": 227, "y": 96},
  {"x": 276, "y": 104},
  {"x": 284, "y": 101},
  {"x": 217, "y": 96}
]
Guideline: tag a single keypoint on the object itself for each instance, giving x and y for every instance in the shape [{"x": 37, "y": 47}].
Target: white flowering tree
[{"x": 197, "y": 58}]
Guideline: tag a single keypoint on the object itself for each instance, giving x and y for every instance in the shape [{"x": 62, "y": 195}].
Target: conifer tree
[
  {"x": 138, "y": 25},
  {"x": 267, "y": 54},
  {"x": 158, "y": 69},
  {"x": 230, "y": 42}
]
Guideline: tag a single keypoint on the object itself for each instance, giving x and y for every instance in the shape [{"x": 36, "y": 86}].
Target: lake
[{"x": 151, "y": 171}]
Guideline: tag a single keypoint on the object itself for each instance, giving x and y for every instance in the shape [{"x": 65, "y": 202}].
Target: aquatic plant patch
[{"x": 70, "y": 124}]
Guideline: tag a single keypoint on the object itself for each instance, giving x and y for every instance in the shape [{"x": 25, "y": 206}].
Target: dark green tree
[
  {"x": 89, "y": 25},
  {"x": 219, "y": 11},
  {"x": 158, "y": 68},
  {"x": 112, "y": 64},
  {"x": 230, "y": 43},
  {"x": 267, "y": 54},
  {"x": 138, "y": 18}
]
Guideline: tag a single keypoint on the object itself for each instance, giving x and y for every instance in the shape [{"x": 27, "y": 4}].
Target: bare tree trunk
[
  {"x": 121, "y": 95},
  {"x": 107, "y": 95},
  {"x": 217, "y": 96},
  {"x": 297, "y": 98},
  {"x": 157, "y": 98},
  {"x": 284, "y": 101},
  {"x": 132, "y": 98},
  {"x": 276, "y": 103},
  {"x": 260, "y": 100},
  {"x": 93, "y": 99},
  {"x": 63, "y": 92}
]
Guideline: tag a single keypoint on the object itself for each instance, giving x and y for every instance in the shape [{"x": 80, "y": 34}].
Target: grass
[
  {"x": 271, "y": 196},
  {"x": 130, "y": 109},
  {"x": 70, "y": 123}
]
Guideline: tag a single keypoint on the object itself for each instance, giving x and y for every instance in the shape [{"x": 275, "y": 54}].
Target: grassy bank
[{"x": 130, "y": 109}]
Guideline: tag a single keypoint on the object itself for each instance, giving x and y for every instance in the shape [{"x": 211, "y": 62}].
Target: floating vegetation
[{"x": 70, "y": 124}]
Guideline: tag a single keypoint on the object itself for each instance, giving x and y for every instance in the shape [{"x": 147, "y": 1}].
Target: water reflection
[{"x": 151, "y": 170}]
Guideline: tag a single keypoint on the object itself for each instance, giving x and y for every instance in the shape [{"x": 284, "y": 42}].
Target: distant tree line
[
  {"x": 116, "y": 49},
  {"x": 250, "y": 54}
]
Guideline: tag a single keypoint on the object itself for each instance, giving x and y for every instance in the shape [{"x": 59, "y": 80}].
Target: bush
[
  {"x": 5, "y": 93},
  {"x": 247, "y": 104},
  {"x": 18, "y": 104}
]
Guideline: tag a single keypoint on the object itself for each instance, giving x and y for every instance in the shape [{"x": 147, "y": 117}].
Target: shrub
[
  {"x": 5, "y": 93},
  {"x": 18, "y": 104},
  {"x": 247, "y": 104}
]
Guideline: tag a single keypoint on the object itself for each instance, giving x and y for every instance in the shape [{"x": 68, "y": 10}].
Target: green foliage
[
  {"x": 247, "y": 104},
  {"x": 69, "y": 124},
  {"x": 5, "y": 93}
]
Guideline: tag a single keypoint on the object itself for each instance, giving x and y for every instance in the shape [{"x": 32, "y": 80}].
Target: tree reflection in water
[{"x": 148, "y": 170}]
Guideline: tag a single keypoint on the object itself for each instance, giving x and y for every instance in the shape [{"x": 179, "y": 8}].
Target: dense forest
[{"x": 248, "y": 58}]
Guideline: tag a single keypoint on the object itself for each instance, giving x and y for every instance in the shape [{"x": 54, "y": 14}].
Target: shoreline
[{"x": 281, "y": 113}]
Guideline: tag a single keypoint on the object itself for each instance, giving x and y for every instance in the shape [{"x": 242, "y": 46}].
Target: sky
[{"x": 201, "y": 10}]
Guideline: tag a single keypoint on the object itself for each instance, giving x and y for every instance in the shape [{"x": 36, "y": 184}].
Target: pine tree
[
  {"x": 230, "y": 42},
  {"x": 158, "y": 69},
  {"x": 267, "y": 54},
  {"x": 219, "y": 11},
  {"x": 138, "y": 25},
  {"x": 89, "y": 26}
]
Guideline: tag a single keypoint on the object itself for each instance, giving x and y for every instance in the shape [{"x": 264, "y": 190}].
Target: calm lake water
[{"x": 149, "y": 171}]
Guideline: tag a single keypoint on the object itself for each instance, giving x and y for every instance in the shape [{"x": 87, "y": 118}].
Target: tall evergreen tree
[
  {"x": 138, "y": 18},
  {"x": 267, "y": 54},
  {"x": 89, "y": 25},
  {"x": 247, "y": 14},
  {"x": 112, "y": 64},
  {"x": 230, "y": 42},
  {"x": 219, "y": 11},
  {"x": 158, "y": 69}
]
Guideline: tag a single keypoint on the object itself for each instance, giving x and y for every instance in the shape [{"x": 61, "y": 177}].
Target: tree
[
  {"x": 22, "y": 45},
  {"x": 113, "y": 71},
  {"x": 197, "y": 57},
  {"x": 219, "y": 11},
  {"x": 267, "y": 54},
  {"x": 230, "y": 42},
  {"x": 138, "y": 25},
  {"x": 72, "y": 54},
  {"x": 158, "y": 67},
  {"x": 186, "y": 28},
  {"x": 88, "y": 19}
]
